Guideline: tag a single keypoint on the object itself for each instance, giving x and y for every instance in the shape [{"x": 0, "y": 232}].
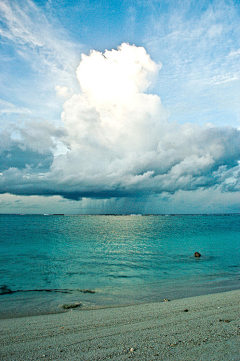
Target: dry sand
[{"x": 198, "y": 328}]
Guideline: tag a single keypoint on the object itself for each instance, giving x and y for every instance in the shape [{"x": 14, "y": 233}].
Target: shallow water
[{"x": 124, "y": 259}]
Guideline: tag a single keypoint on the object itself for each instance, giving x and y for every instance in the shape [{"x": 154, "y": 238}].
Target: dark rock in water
[
  {"x": 5, "y": 290},
  {"x": 197, "y": 254},
  {"x": 87, "y": 291}
]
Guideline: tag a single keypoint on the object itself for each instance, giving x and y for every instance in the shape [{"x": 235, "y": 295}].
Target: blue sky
[{"x": 119, "y": 106}]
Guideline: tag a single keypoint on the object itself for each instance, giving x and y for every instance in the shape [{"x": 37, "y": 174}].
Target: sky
[{"x": 119, "y": 106}]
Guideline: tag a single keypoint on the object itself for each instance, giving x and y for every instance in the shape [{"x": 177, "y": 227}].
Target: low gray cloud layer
[{"x": 116, "y": 140}]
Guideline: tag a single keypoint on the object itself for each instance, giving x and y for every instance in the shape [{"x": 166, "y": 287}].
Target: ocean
[{"x": 48, "y": 261}]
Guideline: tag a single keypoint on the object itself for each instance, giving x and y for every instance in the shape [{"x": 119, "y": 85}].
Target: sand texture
[{"x": 198, "y": 328}]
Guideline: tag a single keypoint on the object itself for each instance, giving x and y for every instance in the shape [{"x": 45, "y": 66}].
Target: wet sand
[{"x": 197, "y": 328}]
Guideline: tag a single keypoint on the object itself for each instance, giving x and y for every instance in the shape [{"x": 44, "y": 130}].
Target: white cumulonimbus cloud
[{"x": 119, "y": 141}]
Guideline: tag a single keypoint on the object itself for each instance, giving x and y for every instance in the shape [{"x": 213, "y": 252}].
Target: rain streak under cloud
[{"x": 116, "y": 139}]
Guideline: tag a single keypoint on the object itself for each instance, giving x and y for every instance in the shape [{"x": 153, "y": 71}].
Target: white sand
[{"x": 210, "y": 330}]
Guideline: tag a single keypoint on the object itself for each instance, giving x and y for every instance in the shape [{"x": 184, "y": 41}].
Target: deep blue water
[{"x": 124, "y": 259}]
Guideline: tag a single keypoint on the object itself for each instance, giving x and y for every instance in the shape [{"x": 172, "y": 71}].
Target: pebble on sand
[{"x": 75, "y": 305}]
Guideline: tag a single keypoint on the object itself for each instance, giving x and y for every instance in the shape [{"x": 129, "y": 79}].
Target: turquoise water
[{"x": 48, "y": 261}]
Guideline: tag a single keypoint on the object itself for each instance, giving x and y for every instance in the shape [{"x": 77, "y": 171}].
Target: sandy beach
[{"x": 197, "y": 328}]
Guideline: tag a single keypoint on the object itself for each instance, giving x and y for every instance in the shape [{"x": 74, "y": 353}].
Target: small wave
[
  {"x": 4, "y": 290},
  {"x": 121, "y": 276},
  {"x": 235, "y": 266}
]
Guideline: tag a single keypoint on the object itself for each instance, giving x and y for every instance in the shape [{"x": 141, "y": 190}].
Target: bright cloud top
[
  {"x": 119, "y": 141},
  {"x": 116, "y": 75}
]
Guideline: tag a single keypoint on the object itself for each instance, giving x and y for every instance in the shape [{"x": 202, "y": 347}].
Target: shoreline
[
  {"x": 46, "y": 304},
  {"x": 205, "y": 327}
]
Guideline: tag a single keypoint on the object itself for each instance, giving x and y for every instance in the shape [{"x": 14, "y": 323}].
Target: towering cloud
[{"x": 119, "y": 141}]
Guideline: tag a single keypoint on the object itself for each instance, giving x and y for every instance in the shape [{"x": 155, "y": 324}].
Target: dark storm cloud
[
  {"x": 18, "y": 158},
  {"x": 30, "y": 147},
  {"x": 119, "y": 142}
]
